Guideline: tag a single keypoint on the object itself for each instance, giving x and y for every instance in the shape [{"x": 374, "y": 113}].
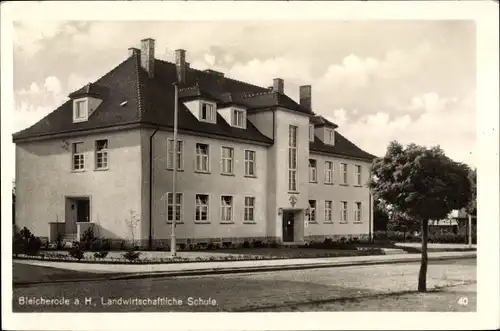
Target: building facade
[{"x": 251, "y": 163}]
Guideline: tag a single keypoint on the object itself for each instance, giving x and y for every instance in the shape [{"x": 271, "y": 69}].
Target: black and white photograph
[{"x": 224, "y": 158}]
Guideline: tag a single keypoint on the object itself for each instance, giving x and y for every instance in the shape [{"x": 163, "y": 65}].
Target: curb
[{"x": 236, "y": 270}]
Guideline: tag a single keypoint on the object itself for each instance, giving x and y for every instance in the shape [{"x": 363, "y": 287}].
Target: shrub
[
  {"x": 101, "y": 255},
  {"x": 100, "y": 245},
  {"x": 59, "y": 241},
  {"x": 24, "y": 242},
  {"x": 131, "y": 255},
  {"x": 246, "y": 244},
  {"x": 88, "y": 237},
  {"x": 77, "y": 251},
  {"x": 182, "y": 246},
  {"x": 257, "y": 243},
  {"x": 274, "y": 244}
]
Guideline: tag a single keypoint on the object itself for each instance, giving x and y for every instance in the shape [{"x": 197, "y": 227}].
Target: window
[
  {"x": 202, "y": 201},
  {"x": 238, "y": 118},
  {"x": 292, "y": 158},
  {"x": 312, "y": 211},
  {"x": 227, "y": 160},
  {"x": 330, "y": 136},
  {"x": 80, "y": 110},
  {"x": 328, "y": 172},
  {"x": 170, "y": 154},
  {"x": 101, "y": 154},
  {"x": 313, "y": 171},
  {"x": 249, "y": 163},
  {"x": 202, "y": 157},
  {"x": 207, "y": 112},
  {"x": 170, "y": 207},
  {"x": 249, "y": 209},
  {"x": 343, "y": 173},
  {"x": 311, "y": 132},
  {"x": 78, "y": 157},
  {"x": 226, "y": 208},
  {"x": 343, "y": 211},
  {"x": 328, "y": 211},
  {"x": 357, "y": 174},
  {"x": 357, "y": 212}
]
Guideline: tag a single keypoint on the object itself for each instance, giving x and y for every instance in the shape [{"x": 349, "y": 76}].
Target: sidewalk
[
  {"x": 124, "y": 271},
  {"x": 432, "y": 246}
]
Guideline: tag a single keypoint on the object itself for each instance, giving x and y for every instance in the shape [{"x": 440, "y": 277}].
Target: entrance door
[
  {"x": 288, "y": 226},
  {"x": 83, "y": 210}
]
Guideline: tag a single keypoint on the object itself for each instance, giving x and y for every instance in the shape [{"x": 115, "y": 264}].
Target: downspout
[{"x": 150, "y": 238}]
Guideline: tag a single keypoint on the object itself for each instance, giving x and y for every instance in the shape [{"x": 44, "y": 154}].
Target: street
[{"x": 290, "y": 290}]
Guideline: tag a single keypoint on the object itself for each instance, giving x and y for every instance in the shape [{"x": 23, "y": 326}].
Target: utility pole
[{"x": 173, "y": 245}]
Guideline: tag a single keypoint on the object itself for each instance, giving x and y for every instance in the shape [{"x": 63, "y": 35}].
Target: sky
[{"x": 410, "y": 81}]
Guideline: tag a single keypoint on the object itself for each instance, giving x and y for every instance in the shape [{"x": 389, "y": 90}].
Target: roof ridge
[{"x": 224, "y": 77}]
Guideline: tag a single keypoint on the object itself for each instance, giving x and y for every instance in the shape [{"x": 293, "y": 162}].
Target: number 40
[{"x": 463, "y": 301}]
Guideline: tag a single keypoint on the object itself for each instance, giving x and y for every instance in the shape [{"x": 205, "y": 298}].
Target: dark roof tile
[{"x": 342, "y": 147}]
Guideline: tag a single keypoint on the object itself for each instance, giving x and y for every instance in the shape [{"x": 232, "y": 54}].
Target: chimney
[
  {"x": 133, "y": 51},
  {"x": 148, "y": 56},
  {"x": 180, "y": 64},
  {"x": 305, "y": 96},
  {"x": 278, "y": 85}
]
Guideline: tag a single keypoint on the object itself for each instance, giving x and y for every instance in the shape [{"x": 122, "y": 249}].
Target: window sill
[
  {"x": 328, "y": 183},
  {"x": 250, "y": 176},
  {"x": 101, "y": 169},
  {"x": 78, "y": 170},
  {"x": 357, "y": 222},
  {"x": 178, "y": 222},
  {"x": 202, "y": 172},
  {"x": 328, "y": 222},
  {"x": 170, "y": 169},
  {"x": 342, "y": 222},
  {"x": 249, "y": 222},
  {"x": 201, "y": 222},
  {"x": 358, "y": 185},
  {"x": 313, "y": 182},
  {"x": 226, "y": 222},
  {"x": 344, "y": 184},
  {"x": 226, "y": 174},
  {"x": 293, "y": 192}
]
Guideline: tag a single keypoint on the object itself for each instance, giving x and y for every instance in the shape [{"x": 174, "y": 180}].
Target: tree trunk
[{"x": 422, "y": 276}]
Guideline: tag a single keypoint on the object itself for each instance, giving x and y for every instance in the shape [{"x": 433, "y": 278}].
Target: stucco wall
[
  {"x": 190, "y": 183},
  {"x": 44, "y": 178},
  {"x": 339, "y": 192}
]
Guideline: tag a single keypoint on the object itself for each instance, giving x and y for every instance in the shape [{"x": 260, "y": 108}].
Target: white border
[{"x": 486, "y": 15}]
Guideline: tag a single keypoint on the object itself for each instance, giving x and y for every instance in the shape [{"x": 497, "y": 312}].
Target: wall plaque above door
[{"x": 293, "y": 200}]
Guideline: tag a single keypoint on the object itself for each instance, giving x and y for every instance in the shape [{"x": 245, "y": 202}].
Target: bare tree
[{"x": 132, "y": 223}]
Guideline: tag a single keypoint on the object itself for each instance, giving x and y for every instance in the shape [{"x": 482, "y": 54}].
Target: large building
[{"x": 252, "y": 163}]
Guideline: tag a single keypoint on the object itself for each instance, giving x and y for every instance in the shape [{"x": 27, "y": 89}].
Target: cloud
[
  {"x": 451, "y": 127},
  {"x": 53, "y": 85}
]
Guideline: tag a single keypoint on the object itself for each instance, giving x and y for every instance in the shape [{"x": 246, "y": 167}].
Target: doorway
[
  {"x": 288, "y": 226},
  {"x": 77, "y": 210}
]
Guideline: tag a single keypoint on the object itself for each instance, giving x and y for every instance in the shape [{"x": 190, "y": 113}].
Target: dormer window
[
  {"x": 311, "y": 132},
  {"x": 238, "y": 118},
  {"x": 80, "y": 110},
  {"x": 207, "y": 112},
  {"x": 330, "y": 136}
]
